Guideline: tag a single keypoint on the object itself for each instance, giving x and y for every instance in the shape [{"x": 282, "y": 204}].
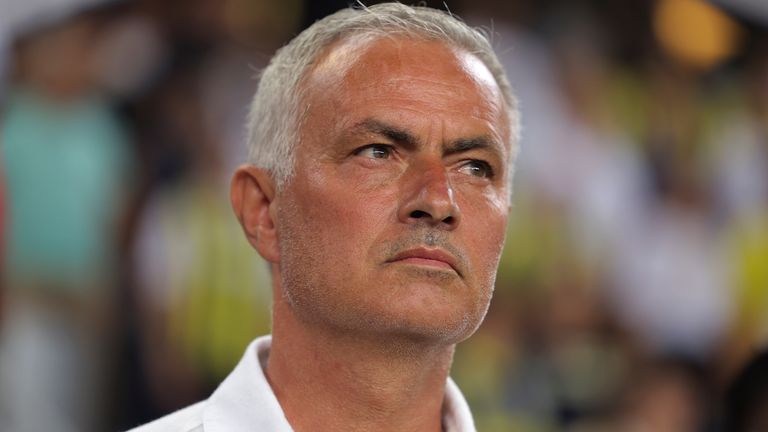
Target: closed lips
[{"x": 428, "y": 257}]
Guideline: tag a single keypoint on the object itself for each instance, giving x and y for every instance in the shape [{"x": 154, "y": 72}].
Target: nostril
[{"x": 421, "y": 214}]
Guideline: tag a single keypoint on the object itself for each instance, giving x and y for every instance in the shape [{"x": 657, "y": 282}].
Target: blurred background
[{"x": 634, "y": 285}]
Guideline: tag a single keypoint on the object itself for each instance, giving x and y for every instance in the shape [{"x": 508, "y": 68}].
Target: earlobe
[{"x": 252, "y": 193}]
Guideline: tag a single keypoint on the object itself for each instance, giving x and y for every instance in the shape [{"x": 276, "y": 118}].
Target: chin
[{"x": 449, "y": 325}]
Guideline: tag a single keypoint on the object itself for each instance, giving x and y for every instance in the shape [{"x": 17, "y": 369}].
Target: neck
[{"x": 331, "y": 380}]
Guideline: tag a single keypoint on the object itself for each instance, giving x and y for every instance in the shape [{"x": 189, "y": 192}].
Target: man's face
[{"x": 395, "y": 218}]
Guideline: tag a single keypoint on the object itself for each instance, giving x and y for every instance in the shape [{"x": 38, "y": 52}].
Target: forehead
[{"x": 400, "y": 76}]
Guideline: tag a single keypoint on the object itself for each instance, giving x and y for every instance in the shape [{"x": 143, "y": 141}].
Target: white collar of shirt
[{"x": 245, "y": 402}]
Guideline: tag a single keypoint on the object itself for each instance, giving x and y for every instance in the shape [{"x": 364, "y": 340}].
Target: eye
[
  {"x": 375, "y": 151},
  {"x": 477, "y": 168}
]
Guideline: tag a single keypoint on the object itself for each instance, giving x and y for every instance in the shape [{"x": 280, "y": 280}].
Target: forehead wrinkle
[
  {"x": 410, "y": 80},
  {"x": 406, "y": 103},
  {"x": 437, "y": 94},
  {"x": 466, "y": 90}
]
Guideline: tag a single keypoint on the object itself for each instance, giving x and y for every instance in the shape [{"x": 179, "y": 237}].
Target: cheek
[
  {"x": 497, "y": 232},
  {"x": 486, "y": 232},
  {"x": 488, "y": 260},
  {"x": 339, "y": 221}
]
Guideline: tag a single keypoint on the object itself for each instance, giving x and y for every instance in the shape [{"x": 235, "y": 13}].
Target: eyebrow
[
  {"x": 407, "y": 138},
  {"x": 392, "y": 132},
  {"x": 466, "y": 144}
]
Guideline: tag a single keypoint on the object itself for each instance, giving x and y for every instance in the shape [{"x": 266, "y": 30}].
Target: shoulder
[{"x": 189, "y": 419}]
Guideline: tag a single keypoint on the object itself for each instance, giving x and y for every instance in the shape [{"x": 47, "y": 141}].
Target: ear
[{"x": 252, "y": 193}]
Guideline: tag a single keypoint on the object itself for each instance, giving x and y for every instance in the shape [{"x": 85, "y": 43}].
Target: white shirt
[{"x": 244, "y": 401}]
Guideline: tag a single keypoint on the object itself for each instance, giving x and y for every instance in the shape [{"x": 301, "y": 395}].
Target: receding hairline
[{"x": 356, "y": 43}]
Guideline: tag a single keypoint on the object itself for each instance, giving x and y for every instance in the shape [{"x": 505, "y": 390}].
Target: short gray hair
[{"x": 276, "y": 115}]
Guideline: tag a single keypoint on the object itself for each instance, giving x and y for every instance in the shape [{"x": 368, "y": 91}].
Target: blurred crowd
[{"x": 633, "y": 289}]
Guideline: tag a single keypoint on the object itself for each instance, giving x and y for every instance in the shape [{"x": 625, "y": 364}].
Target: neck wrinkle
[{"x": 326, "y": 379}]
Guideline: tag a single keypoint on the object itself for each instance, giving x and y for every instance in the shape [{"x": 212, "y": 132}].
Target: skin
[{"x": 384, "y": 244}]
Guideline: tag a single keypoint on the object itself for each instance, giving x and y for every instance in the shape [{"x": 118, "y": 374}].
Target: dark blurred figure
[
  {"x": 746, "y": 401},
  {"x": 66, "y": 162},
  {"x": 665, "y": 396},
  {"x": 201, "y": 292},
  {"x": 739, "y": 155},
  {"x": 661, "y": 395}
]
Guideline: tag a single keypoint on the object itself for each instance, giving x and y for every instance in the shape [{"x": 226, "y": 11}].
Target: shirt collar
[{"x": 244, "y": 401}]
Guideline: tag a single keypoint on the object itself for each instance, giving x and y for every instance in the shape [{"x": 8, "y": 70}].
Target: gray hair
[{"x": 276, "y": 115}]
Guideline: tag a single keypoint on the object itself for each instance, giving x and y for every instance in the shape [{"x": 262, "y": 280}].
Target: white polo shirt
[{"x": 244, "y": 402}]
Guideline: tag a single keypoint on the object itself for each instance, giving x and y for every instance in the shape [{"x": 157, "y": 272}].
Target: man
[{"x": 382, "y": 141}]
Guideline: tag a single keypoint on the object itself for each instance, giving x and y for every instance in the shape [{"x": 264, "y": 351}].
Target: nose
[{"x": 428, "y": 198}]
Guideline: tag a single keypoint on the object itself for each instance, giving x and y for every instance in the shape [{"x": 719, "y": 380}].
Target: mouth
[{"x": 424, "y": 257}]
